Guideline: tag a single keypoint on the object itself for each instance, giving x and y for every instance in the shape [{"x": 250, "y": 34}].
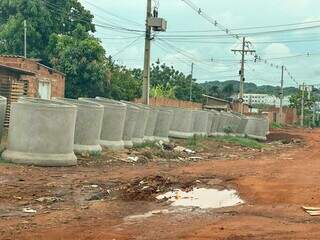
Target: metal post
[
  {"x": 192, "y": 64},
  {"x": 147, "y": 55},
  {"x": 25, "y": 38},
  {"x": 281, "y": 96},
  {"x": 302, "y": 106}
]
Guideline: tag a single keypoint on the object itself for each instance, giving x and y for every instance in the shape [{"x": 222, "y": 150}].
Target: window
[{"x": 44, "y": 90}]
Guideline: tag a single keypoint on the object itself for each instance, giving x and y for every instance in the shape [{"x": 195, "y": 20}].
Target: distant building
[
  {"x": 213, "y": 103},
  {"x": 265, "y": 99}
]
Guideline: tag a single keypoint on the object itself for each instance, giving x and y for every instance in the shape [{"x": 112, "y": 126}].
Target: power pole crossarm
[{"x": 243, "y": 51}]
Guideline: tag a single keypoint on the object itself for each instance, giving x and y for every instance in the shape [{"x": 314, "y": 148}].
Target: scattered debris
[
  {"x": 48, "y": 199},
  {"x": 183, "y": 149},
  {"x": 29, "y": 210},
  {"x": 312, "y": 211},
  {"x": 132, "y": 159}
]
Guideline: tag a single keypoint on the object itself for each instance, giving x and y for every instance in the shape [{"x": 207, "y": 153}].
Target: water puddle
[
  {"x": 202, "y": 198},
  {"x": 149, "y": 214}
]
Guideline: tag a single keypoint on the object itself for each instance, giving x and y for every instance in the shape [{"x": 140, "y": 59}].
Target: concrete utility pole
[
  {"x": 243, "y": 51},
  {"x": 302, "y": 105},
  {"x": 25, "y": 38},
  {"x": 314, "y": 115},
  {"x": 147, "y": 56},
  {"x": 281, "y": 95},
  {"x": 192, "y": 65}
]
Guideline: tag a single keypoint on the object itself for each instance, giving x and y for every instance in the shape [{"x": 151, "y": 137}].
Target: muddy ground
[{"x": 111, "y": 196}]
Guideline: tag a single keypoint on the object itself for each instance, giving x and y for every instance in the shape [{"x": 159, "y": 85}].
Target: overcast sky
[{"x": 211, "y": 55}]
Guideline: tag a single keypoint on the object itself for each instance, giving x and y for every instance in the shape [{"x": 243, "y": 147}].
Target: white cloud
[{"x": 276, "y": 49}]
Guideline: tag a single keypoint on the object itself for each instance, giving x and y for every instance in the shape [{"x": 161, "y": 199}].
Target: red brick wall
[
  {"x": 43, "y": 73},
  {"x": 172, "y": 103}
]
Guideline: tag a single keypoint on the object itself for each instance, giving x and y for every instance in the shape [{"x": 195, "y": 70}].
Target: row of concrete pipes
[{"x": 50, "y": 132}]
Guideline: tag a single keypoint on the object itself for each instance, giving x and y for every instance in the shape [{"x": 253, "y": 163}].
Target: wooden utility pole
[
  {"x": 243, "y": 51},
  {"x": 147, "y": 56},
  {"x": 281, "y": 95},
  {"x": 25, "y": 38},
  {"x": 302, "y": 105},
  {"x": 191, "y": 81}
]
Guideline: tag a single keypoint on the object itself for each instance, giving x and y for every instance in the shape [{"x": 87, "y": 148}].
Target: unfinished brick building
[{"x": 21, "y": 76}]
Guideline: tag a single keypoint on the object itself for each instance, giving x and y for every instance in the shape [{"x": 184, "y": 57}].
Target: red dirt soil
[{"x": 92, "y": 201}]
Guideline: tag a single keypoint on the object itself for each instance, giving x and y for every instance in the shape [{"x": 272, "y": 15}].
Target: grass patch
[
  {"x": 276, "y": 125},
  {"x": 242, "y": 141},
  {"x": 146, "y": 145},
  {"x": 195, "y": 141}
]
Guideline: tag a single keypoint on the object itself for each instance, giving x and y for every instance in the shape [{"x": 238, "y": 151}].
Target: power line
[
  {"x": 249, "y": 28},
  {"x": 127, "y": 46},
  {"x": 114, "y": 15},
  {"x": 55, "y": 8}
]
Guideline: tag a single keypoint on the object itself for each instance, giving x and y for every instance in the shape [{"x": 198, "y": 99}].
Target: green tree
[
  {"x": 123, "y": 83},
  {"x": 82, "y": 58},
  {"x": 44, "y": 18},
  {"x": 228, "y": 90}
]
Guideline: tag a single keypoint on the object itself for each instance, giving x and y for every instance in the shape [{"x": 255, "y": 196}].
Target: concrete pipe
[
  {"x": 182, "y": 123},
  {"x": 132, "y": 115},
  {"x": 41, "y": 133},
  {"x": 224, "y": 125},
  {"x": 200, "y": 122},
  {"x": 215, "y": 122},
  {"x": 162, "y": 128},
  {"x": 88, "y": 125},
  {"x": 257, "y": 128},
  {"x": 151, "y": 125},
  {"x": 113, "y": 123},
  {"x": 3, "y": 108},
  {"x": 141, "y": 124},
  {"x": 242, "y": 126},
  {"x": 235, "y": 123}
]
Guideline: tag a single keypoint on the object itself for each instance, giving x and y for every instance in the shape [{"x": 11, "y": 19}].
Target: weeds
[
  {"x": 276, "y": 125},
  {"x": 241, "y": 141}
]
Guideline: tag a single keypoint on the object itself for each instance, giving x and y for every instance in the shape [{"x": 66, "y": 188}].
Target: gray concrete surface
[
  {"x": 200, "y": 122},
  {"x": 242, "y": 126},
  {"x": 41, "y": 133},
  {"x": 224, "y": 124},
  {"x": 257, "y": 128},
  {"x": 88, "y": 125},
  {"x": 132, "y": 115},
  {"x": 113, "y": 123},
  {"x": 182, "y": 123},
  {"x": 164, "y": 119},
  {"x": 141, "y": 124},
  {"x": 235, "y": 123},
  {"x": 215, "y": 122},
  {"x": 3, "y": 107},
  {"x": 151, "y": 125}
]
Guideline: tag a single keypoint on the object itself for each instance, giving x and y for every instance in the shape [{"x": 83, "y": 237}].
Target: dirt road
[{"x": 105, "y": 199}]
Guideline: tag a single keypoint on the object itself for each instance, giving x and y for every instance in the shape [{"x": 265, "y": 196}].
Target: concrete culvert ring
[
  {"x": 151, "y": 125},
  {"x": 88, "y": 125},
  {"x": 141, "y": 123},
  {"x": 162, "y": 128},
  {"x": 113, "y": 122},
  {"x": 182, "y": 123},
  {"x": 3, "y": 107},
  {"x": 41, "y": 133},
  {"x": 132, "y": 115}
]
